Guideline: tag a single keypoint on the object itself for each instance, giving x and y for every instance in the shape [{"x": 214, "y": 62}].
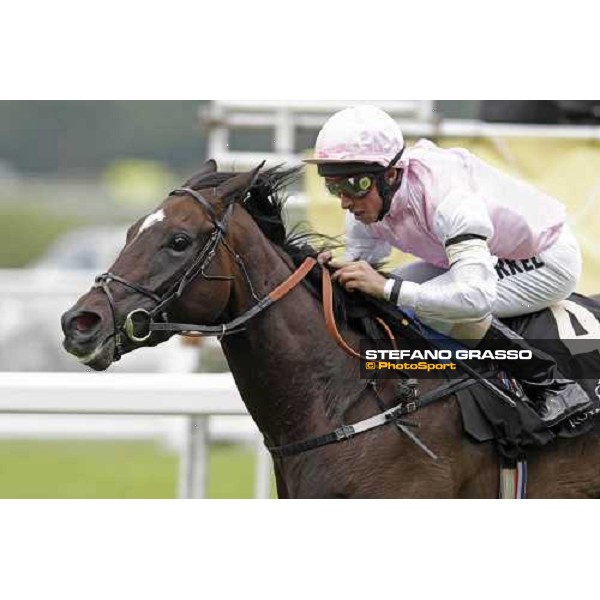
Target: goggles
[{"x": 356, "y": 186}]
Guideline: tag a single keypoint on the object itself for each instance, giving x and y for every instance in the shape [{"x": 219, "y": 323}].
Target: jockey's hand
[
  {"x": 324, "y": 257},
  {"x": 359, "y": 275}
]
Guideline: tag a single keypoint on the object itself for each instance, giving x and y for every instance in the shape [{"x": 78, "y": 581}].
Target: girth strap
[
  {"x": 513, "y": 480},
  {"x": 392, "y": 415}
]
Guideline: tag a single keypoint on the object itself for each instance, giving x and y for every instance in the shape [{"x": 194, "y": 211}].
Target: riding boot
[{"x": 554, "y": 396}]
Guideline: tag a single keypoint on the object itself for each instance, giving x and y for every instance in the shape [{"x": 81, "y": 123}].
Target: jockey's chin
[{"x": 364, "y": 217}]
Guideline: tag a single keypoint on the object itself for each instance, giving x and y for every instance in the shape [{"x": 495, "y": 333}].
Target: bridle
[{"x": 141, "y": 323}]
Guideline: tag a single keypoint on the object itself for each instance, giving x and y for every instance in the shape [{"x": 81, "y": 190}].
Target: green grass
[
  {"x": 25, "y": 233},
  {"x": 98, "y": 469}
]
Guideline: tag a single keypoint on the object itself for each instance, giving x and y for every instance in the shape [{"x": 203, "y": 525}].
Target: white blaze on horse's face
[{"x": 150, "y": 220}]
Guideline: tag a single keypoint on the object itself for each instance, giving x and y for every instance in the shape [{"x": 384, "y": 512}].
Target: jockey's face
[
  {"x": 364, "y": 205},
  {"x": 367, "y": 209}
]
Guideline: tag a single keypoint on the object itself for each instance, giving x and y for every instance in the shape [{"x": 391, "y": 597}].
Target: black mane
[{"x": 265, "y": 201}]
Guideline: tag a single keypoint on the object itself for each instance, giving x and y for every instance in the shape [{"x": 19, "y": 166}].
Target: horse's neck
[{"x": 291, "y": 375}]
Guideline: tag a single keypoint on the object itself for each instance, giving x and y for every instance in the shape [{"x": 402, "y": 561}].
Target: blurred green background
[
  {"x": 115, "y": 469},
  {"x": 99, "y": 145},
  {"x": 114, "y": 151},
  {"x": 67, "y": 164}
]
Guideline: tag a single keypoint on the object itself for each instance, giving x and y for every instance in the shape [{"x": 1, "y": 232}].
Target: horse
[{"x": 210, "y": 257}]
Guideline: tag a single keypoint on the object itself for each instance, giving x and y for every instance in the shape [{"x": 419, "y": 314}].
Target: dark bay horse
[{"x": 207, "y": 255}]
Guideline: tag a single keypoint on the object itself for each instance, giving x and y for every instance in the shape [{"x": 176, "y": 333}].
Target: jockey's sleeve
[
  {"x": 468, "y": 290},
  {"x": 361, "y": 244}
]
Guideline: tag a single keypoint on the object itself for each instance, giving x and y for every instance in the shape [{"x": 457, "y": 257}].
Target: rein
[
  {"x": 236, "y": 324},
  {"x": 141, "y": 318},
  {"x": 327, "y": 289}
]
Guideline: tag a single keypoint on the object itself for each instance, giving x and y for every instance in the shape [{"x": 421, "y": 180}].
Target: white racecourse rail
[{"x": 191, "y": 395}]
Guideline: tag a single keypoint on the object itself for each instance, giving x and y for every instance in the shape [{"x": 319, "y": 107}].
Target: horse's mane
[{"x": 265, "y": 202}]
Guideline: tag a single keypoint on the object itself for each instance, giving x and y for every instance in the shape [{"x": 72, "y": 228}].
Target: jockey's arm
[{"x": 467, "y": 291}]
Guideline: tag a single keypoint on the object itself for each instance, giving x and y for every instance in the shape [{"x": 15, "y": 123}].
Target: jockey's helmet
[
  {"x": 359, "y": 134},
  {"x": 360, "y": 140}
]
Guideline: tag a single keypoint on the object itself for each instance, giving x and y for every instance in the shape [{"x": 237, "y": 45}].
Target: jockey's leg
[
  {"x": 420, "y": 272},
  {"x": 524, "y": 286},
  {"x": 555, "y": 396}
]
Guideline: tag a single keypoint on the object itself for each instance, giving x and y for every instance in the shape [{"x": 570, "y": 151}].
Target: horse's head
[{"x": 170, "y": 256}]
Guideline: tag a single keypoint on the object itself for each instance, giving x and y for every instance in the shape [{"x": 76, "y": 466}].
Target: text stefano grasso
[{"x": 460, "y": 354}]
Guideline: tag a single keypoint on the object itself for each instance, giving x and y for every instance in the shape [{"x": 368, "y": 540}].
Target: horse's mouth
[{"x": 99, "y": 358}]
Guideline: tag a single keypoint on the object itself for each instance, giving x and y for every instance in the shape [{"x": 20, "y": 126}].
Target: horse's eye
[{"x": 179, "y": 242}]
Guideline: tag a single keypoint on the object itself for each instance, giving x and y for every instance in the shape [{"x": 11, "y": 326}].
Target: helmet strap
[{"x": 387, "y": 190}]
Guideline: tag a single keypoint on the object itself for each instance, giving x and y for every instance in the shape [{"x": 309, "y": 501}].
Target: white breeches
[{"x": 523, "y": 286}]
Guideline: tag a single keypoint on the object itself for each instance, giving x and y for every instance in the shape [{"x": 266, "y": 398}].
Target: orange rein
[
  {"x": 330, "y": 319},
  {"x": 279, "y": 292},
  {"x": 327, "y": 288}
]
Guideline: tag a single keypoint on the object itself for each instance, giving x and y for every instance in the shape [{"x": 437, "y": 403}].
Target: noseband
[{"x": 140, "y": 323}]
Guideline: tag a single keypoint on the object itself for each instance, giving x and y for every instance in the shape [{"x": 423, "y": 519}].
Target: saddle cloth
[{"x": 570, "y": 332}]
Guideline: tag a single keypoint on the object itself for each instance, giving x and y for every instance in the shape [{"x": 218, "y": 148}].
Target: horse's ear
[
  {"x": 237, "y": 185},
  {"x": 210, "y": 166}
]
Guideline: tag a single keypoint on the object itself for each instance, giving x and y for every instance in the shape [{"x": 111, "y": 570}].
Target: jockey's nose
[
  {"x": 346, "y": 202},
  {"x": 80, "y": 324}
]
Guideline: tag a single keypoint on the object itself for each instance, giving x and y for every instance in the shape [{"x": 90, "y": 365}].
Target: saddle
[{"x": 570, "y": 332}]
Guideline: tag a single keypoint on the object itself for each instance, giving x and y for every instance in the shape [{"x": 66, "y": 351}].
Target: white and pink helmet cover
[{"x": 361, "y": 133}]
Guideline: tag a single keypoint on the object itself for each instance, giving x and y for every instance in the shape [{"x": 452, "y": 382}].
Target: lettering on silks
[{"x": 506, "y": 267}]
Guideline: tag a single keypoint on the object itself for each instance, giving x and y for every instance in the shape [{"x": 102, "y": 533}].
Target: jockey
[{"x": 490, "y": 245}]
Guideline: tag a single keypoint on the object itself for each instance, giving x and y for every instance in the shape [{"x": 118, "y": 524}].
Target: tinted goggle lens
[{"x": 355, "y": 187}]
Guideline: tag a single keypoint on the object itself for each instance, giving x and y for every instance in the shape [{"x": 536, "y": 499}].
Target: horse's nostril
[{"x": 84, "y": 322}]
